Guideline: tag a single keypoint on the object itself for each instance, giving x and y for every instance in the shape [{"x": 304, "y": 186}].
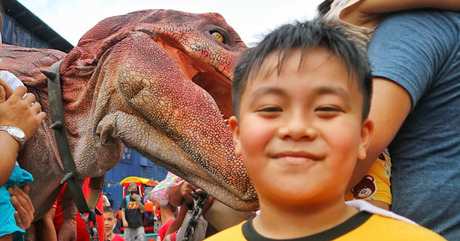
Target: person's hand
[
  {"x": 20, "y": 112},
  {"x": 6, "y": 91},
  {"x": 186, "y": 190},
  {"x": 125, "y": 223},
  {"x": 20, "y": 199},
  {"x": 135, "y": 197}
]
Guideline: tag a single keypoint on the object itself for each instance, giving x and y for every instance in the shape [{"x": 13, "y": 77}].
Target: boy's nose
[{"x": 298, "y": 128}]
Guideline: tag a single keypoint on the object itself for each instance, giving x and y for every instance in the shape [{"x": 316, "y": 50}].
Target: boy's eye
[
  {"x": 270, "y": 109},
  {"x": 329, "y": 109}
]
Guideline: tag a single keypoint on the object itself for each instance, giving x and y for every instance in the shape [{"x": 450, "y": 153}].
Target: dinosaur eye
[{"x": 218, "y": 36}]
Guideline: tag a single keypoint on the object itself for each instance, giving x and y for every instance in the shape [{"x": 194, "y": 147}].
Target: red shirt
[
  {"x": 82, "y": 233},
  {"x": 117, "y": 238},
  {"x": 162, "y": 231}
]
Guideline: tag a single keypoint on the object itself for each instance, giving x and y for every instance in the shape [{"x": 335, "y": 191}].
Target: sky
[{"x": 250, "y": 18}]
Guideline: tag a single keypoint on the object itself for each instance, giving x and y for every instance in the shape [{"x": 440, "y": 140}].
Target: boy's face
[
  {"x": 109, "y": 221},
  {"x": 300, "y": 132}
]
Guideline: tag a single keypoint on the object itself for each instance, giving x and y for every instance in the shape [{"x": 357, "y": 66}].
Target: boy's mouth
[{"x": 297, "y": 157}]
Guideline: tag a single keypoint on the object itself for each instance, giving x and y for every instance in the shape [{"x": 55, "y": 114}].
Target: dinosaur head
[
  {"x": 161, "y": 84},
  {"x": 204, "y": 47}
]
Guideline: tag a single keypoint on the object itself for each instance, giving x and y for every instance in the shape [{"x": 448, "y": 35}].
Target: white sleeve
[{"x": 11, "y": 79}]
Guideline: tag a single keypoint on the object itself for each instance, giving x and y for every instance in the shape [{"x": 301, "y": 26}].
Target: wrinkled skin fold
[{"x": 157, "y": 81}]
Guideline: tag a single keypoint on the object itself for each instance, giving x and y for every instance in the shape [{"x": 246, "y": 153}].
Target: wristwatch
[{"x": 16, "y": 133}]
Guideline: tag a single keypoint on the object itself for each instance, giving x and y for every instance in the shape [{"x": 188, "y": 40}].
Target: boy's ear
[
  {"x": 233, "y": 123},
  {"x": 366, "y": 134}
]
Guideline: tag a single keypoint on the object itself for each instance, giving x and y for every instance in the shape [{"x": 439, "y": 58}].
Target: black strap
[
  {"x": 60, "y": 133},
  {"x": 71, "y": 177}
]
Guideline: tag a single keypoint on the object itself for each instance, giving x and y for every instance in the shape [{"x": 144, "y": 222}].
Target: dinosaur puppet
[{"x": 157, "y": 81}]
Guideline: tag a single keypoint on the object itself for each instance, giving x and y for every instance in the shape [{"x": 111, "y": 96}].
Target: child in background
[
  {"x": 168, "y": 214},
  {"x": 301, "y": 99},
  {"x": 361, "y": 18},
  {"x": 161, "y": 195},
  {"x": 110, "y": 221}
]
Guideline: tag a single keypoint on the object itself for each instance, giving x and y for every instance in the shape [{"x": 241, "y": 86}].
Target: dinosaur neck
[{"x": 86, "y": 102}]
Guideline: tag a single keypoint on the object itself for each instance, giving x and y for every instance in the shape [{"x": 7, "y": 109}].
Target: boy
[
  {"x": 110, "y": 220},
  {"x": 301, "y": 100}
]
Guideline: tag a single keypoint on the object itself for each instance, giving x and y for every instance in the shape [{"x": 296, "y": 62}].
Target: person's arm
[
  {"x": 390, "y": 106},
  {"x": 45, "y": 226},
  {"x": 396, "y": 53},
  {"x": 368, "y": 13},
  {"x": 123, "y": 214},
  {"x": 16, "y": 111},
  {"x": 384, "y": 6},
  {"x": 177, "y": 223},
  {"x": 10, "y": 148},
  {"x": 123, "y": 218}
]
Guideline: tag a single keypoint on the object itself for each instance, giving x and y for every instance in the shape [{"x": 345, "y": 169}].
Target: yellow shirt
[
  {"x": 376, "y": 184},
  {"x": 362, "y": 226}
]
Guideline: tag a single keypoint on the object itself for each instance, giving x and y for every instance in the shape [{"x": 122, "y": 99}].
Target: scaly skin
[{"x": 156, "y": 81}]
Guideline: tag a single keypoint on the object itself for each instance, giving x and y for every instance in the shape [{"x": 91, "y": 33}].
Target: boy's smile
[{"x": 299, "y": 128}]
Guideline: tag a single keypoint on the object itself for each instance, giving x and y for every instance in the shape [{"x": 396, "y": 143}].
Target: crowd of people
[{"x": 335, "y": 108}]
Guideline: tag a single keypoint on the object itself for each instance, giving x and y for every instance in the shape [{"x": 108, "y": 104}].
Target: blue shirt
[{"x": 420, "y": 50}]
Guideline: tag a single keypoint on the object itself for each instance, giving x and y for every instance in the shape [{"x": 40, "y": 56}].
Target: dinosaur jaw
[
  {"x": 217, "y": 84},
  {"x": 160, "y": 148},
  {"x": 218, "y": 89}
]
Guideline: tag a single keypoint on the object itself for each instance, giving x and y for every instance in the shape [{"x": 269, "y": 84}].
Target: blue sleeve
[{"x": 410, "y": 48}]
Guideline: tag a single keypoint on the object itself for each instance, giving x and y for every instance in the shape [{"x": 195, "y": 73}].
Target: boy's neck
[
  {"x": 166, "y": 216},
  {"x": 300, "y": 221},
  {"x": 111, "y": 236}
]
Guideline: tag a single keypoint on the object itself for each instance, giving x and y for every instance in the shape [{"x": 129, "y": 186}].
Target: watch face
[{"x": 17, "y": 132}]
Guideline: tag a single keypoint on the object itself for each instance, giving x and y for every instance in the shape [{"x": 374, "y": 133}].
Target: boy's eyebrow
[
  {"x": 335, "y": 90},
  {"x": 267, "y": 90},
  {"x": 323, "y": 90}
]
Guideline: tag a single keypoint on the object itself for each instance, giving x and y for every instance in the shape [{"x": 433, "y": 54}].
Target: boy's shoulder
[
  {"x": 392, "y": 229},
  {"x": 363, "y": 226},
  {"x": 117, "y": 238}
]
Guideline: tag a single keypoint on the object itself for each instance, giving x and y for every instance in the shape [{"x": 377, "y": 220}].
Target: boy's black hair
[
  {"x": 304, "y": 36},
  {"x": 110, "y": 210},
  {"x": 324, "y": 7}
]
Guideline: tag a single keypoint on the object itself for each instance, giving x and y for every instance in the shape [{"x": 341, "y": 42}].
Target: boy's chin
[{"x": 305, "y": 196}]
